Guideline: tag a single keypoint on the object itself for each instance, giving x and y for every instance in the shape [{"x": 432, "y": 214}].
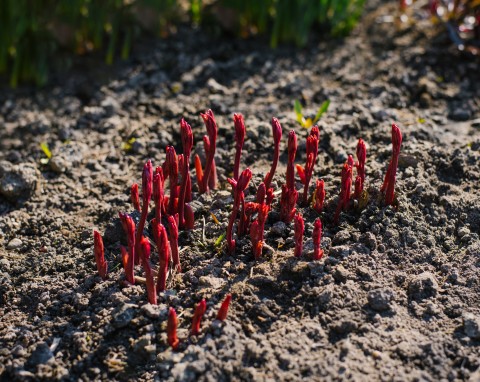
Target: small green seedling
[
  {"x": 47, "y": 153},
  {"x": 128, "y": 145},
  {"x": 309, "y": 122}
]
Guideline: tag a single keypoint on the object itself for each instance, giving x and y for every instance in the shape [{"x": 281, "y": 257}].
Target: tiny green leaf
[
  {"x": 297, "y": 106},
  {"x": 220, "y": 239},
  {"x": 323, "y": 108},
  {"x": 46, "y": 150},
  {"x": 127, "y": 146}
]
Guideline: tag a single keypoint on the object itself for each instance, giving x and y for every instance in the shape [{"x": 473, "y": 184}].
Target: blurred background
[{"x": 40, "y": 37}]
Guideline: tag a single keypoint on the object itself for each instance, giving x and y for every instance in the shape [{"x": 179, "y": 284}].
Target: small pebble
[
  {"x": 14, "y": 244},
  {"x": 278, "y": 228},
  {"x": 423, "y": 286},
  {"x": 380, "y": 299},
  {"x": 471, "y": 325}
]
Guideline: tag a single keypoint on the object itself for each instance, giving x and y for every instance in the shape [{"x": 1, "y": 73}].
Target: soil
[{"x": 396, "y": 295}]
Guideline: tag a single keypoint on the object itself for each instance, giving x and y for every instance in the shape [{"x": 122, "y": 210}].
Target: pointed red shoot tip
[
  {"x": 396, "y": 137},
  {"x": 210, "y": 124},
  {"x": 173, "y": 238},
  {"x": 361, "y": 159},
  {"x": 240, "y": 129},
  {"x": 315, "y": 132},
  {"x": 222, "y": 312},
  {"x": 319, "y": 195},
  {"x": 197, "y": 317},
  {"x": 299, "y": 229},
  {"x": 144, "y": 249},
  {"x": 350, "y": 161},
  {"x": 292, "y": 142},
  {"x": 99, "y": 253},
  {"x": 187, "y": 137},
  {"x": 390, "y": 177},
  {"x": 171, "y": 161},
  {"x": 135, "y": 197},
  {"x": 317, "y": 239},
  {"x": 276, "y": 130},
  {"x": 244, "y": 179},
  {"x": 147, "y": 180},
  {"x": 172, "y": 325},
  {"x": 361, "y": 151}
]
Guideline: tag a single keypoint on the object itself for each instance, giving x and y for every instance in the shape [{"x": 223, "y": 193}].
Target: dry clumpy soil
[{"x": 396, "y": 297}]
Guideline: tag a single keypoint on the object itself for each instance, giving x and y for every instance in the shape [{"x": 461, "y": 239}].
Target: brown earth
[{"x": 396, "y": 296}]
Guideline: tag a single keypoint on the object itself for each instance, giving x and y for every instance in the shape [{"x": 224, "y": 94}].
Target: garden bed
[{"x": 396, "y": 295}]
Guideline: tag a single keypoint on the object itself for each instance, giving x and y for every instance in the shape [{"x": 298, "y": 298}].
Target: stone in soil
[
  {"x": 123, "y": 314},
  {"x": 380, "y": 299},
  {"x": 14, "y": 244},
  {"x": 423, "y": 286},
  {"x": 471, "y": 325},
  {"x": 41, "y": 355},
  {"x": 18, "y": 182}
]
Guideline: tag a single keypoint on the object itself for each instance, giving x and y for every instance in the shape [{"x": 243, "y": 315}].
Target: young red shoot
[
  {"x": 197, "y": 317},
  {"x": 99, "y": 252},
  {"x": 187, "y": 142},
  {"x": 145, "y": 256},
  {"x": 358, "y": 188},
  {"x": 319, "y": 195},
  {"x": 128, "y": 258},
  {"x": 135, "y": 197},
  {"x": 172, "y": 169},
  {"x": 173, "y": 238},
  {"x": 317, "y": 239},
  {"x": 172, "y": 324},
  {"x": 239, "y": 139},
  {"x": 288, "y": 200},
  {"x": 388, "y": 186},
  {"x": 306, "y": 173},
  {"x": 299, "y": 229},
  {"x": 250, "y": 208},
  {"x": 257, "y": 230},
  {"x": 207, "y": 178},
  {"x": 158, "y": 192},
  {"x": 350, "y": 161},
  {"x": 222, "y": 312},
  {"x": 289, "y": 193},
  {"x": 212, "y": 179},
  {"x": 163, "y": 247},
  {"x": 147, "y": 189},
  {"x": 292, "y": 152},
  {"x": 262, "y": 207},
  {"x": 238, "y": 192},
  {"x": 277, "y": 137},
  {"x": 361, "y": 159},
  {"x": 345, "y": 190}
]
